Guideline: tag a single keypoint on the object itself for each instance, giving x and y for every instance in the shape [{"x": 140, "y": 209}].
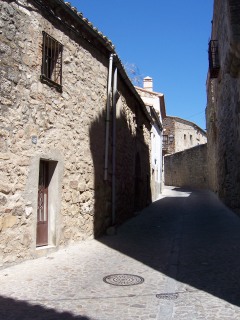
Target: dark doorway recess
[
  {"x": 47, "y": 201},
  {"x": 42, "y": 210}
]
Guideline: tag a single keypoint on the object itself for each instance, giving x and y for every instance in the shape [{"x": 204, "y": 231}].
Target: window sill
[{"x": 51, "y": 83}]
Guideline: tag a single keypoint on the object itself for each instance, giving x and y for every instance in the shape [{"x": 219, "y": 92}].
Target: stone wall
[
  {"x": 223, "y": 111},
  {"x": 187, "y": 168},
  {"x": 67, "y": 129}
]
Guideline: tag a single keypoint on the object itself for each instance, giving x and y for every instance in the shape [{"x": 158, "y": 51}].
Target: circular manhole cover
[
  {"x": 123, "y": 279},
  {"x": 167, "y": 296}
]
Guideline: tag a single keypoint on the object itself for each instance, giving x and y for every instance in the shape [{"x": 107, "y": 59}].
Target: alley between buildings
[{"x": 183, "y": 248}]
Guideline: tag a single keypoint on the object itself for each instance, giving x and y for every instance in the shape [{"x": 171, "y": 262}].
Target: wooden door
[{"x": 42, "y": 211}]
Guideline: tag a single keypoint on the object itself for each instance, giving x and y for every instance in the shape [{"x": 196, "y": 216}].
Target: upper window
[
  {"x": 213, "y": 55},
  {"x": 165, "y": 141},
  {"x": 52, "y": 61}
]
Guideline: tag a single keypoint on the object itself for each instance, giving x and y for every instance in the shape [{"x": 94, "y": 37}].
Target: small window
[
  {"x": 213, "y": 56},
  {"x": 191, "y": 138},
  {"x": 184, "y": 137},
  {"x": 165, "y": 141},
  {"x": 52, "y": 61}
]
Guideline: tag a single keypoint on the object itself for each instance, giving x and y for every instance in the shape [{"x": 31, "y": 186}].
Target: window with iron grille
[
  {"x": 213, "y": 55},
  {"x": 52, "y": 61},
  {"x": 165, "y": 141}
]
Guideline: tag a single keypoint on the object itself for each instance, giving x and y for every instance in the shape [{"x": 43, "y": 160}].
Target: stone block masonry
[{"x": 187, "y": 168}]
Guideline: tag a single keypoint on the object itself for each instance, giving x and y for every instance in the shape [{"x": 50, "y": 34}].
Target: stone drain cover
[
  {"x": 123, "y": 279},
  {"x": 167, "y": 296}
]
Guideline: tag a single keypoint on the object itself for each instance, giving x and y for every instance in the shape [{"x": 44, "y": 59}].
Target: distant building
[
  {"x": 155, "y": 105},
  {"x": 180, "y": 134}
]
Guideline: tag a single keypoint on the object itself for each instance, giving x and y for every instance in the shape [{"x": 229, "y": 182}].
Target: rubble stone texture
[
  {"x": 68, "y": 129},
  {"x": 223, "y": 108}
]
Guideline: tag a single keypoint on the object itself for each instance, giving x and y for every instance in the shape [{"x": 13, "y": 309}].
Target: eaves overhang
[
  {"x": 93, "y": 31},
  {"x": 157, "y": 95}
]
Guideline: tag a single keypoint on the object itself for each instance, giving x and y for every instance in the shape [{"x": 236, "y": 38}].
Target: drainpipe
[
  {"x": 114, "y": 146},
  {"x": 108, "y": 115}
]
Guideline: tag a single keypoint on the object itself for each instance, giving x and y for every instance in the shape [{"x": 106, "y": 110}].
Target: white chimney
[{"x": 148, "y": 84}]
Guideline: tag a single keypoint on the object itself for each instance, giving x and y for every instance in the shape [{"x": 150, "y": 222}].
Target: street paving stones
[{"x": 186, "y": 247}]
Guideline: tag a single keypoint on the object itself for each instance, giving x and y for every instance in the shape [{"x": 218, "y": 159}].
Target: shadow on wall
[
  {"x": 11, "y": 309},
  {"x": 132, "y": 170},
  {"x": 194, "y": 239}
]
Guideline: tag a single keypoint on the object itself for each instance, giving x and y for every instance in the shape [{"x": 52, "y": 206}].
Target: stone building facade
[
  {"x": 155, "y": 104},
  {"x": 180, "y": 134},
  {"x": 74, "y": 151},
  {"x": 223, "y": 106}
]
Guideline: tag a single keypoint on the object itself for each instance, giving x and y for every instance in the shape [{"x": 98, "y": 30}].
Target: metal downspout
[
  {"x": 108, "y": 115},
  {"x": 114, "y": 147}
]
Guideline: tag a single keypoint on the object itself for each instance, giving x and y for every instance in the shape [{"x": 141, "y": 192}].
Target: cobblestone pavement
[{"x": 186, "y": 246}]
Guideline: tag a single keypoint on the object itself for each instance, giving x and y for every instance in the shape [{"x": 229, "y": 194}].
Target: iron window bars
[
  {"x": 52, "y": 62},
  {"x": 213, "y": 55},
  {"x": 165, "y": 141}
]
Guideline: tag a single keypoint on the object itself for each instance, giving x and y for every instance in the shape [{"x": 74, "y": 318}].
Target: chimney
[{"x": 148, "y": 84}]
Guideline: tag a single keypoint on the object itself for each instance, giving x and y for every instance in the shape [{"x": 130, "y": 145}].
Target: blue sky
[{"x": 167, "y": 40}]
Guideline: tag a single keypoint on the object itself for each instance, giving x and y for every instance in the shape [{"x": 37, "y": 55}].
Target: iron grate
[
  {"x": 123, "y": 279},
  {"x": 167, "y": 296}
]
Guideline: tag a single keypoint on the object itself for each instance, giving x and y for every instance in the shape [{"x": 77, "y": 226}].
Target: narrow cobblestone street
[{"x": 185, "y": 246}]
